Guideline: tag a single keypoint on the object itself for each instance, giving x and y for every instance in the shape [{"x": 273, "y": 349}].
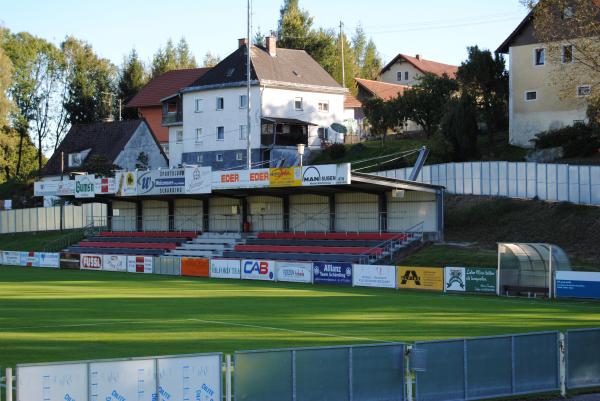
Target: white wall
[
  {"x": 356, "y": 212},
  {"x": 49, "y": 218},
  {"x": 141, "y": 141},
  {"x": 309, "y": 213},
  {"x": 188, "y": 214},
  {"x": 156, "y": 215},
  {"x": 126, "y": 219},
  {"x": 412, "y": 210}
]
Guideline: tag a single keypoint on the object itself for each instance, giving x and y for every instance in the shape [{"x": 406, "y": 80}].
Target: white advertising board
[
  {"x": 58, "y": 382},
  {"x": 123, "y": 380},
  {"x": 114, "y": 263},
  {"x": 326, "y": 174},
  {"x": 198, "y": 180},
  {"x": 84, "y": 186},
  {"x": 30, "y": 259},
  {"x": 139, "y": 264},
  {"x": 190, "y": 378},
  {"x": 225, "y": 268},
  {"x": 49, "y": 259},
  {"x": 126, "y": 183},
  {"x": 253, "y": 269},
  {"x": 54, "y": 188},
  {"x": 104, "y": 186},
  {"x": 11, "y": 258},
  {"x": 374, "y": 276},
  {"x": 256, "y": 178},
  {"x": 295, "y": 272},
  {"x": 90, "y": 261}
]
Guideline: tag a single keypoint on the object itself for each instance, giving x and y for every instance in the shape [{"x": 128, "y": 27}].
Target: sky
[{"x": 438, "y": 30}]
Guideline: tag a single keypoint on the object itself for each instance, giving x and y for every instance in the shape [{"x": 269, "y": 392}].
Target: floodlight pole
[
  {"x": 551, "y": 284},
  {"x": 248, "y": 60}
]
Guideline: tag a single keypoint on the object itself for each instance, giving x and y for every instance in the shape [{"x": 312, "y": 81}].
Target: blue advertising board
[
  {"x": 332, "y": 273},
  {"x": 577, "y": 284}
]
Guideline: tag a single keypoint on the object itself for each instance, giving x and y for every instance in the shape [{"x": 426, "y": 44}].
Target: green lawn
[{"x": 52, "y": 315}]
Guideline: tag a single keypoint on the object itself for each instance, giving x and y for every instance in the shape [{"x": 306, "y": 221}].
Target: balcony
[
  {"x": 172, "y": 118},
  {"x": 283, "y": 131}
]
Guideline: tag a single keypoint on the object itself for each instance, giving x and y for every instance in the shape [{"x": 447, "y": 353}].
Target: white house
[{"x": 292, "y": 100}]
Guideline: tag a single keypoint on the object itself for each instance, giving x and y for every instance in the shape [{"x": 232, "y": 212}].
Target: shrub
[
  {"x": 336, "y": 151},
  {"x": 579, "y": 140},
  {"x": 459, "y": 127}
]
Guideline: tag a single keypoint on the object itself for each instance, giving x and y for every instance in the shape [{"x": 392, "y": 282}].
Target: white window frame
[
  {"x": 324, "y": 109},
  {"x": 239, "y": 156},
  {"x": 198, "y": 105},
  {"x": 562, "y": 55},
  {"x": 296, "y": 100},
  {"x": 198, "y": 135},
  {"x": 243, "y": 101},
  {"x": 219, "y": 157},
  {"x": 535, "y": 50},
  {"x": 179, "y": 136},
  {"x": 583, "y": 86},
  {"x": 243, "y": 132},
  {"x": 220, "y": 139},
  {"x": 530, "y": 91},
  {"x": 221, "y": 103}
]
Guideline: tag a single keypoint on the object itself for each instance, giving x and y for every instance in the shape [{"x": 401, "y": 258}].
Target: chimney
[
  {"x": 418, "y": 57},
  {"x": 271, "y": 42},
  {"x": 242, "y": 42}
]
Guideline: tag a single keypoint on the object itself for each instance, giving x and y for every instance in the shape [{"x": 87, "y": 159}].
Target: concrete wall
[{"x": 309, "y": 213}]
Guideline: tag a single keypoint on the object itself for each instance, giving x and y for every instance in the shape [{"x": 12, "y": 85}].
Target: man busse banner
[
  {"x": 253, "y": 269},
  {"x": 198, "y": 267},
  {"x": 114, "y": 263},
  {"x": 374, "y": 276},
  {"x": 285, "y": 177},
  {"x": 295, "y": 272},
  {"x": 326, "y": 174},
  {"x": 577, "y": 284},
  {"x": 225, "y": 268},
  {"x": 470, "y": 279},
  {"x": 90, "y": 261},
  {"x": 420, "y": 278},
  {"x": 139, "y": 264},
  {"x": 332, "y": 273}
]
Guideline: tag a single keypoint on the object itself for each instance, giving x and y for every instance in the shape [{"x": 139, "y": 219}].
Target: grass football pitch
[{"x": 54, "y": 315}]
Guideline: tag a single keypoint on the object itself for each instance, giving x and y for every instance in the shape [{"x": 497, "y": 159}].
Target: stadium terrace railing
[{"x": 393, "y": 245}]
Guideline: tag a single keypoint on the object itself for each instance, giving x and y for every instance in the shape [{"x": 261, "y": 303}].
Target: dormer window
[
  {"x": 75, "y": 159},
  {"x": 230, "y": 72}
]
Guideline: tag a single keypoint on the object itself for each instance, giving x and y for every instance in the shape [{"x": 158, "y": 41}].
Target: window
[
  {"x": 220, "y": 133},
  {"x": 567, "y": 12},
  {"x": 578, "y": 122},
  {"x": 322, "y": 131},
  {"x": 243, "y": 130},
  {"x": 298, "y": 103},
  {"x": 239, "y": 156},
  {"x": 219, "y": 157},
  {"x": 198, "y": 135},
  {"x": 399, "y": 76},
  {"x": 199, "y": 105},
  {"x": 199, "y": 158},
  {"x": 171, "y": 108},
  {"x": 567, "y": 54},
  {"x": 539, "y": 56},
  {"x": 179, "y": 136},
  {"x": 584, "y": 90},
  {"x": 530, "y": 95},
  {"x": 243, "y": 101},
  {"x": 220, "y": 103},
  {"x": 406, "y": 75},
  {"x": 324, "y": 106}
]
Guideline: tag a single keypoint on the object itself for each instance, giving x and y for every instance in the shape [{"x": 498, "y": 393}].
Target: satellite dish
[{"x": 339, "y": 128}]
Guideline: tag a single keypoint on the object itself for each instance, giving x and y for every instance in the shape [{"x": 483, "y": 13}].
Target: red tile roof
[
  {"x": 382, "y": 90},
  {"x": 165, "y": 85},
  {"x": 350, "y": 102},
  {"x": 424, "y": 65}
]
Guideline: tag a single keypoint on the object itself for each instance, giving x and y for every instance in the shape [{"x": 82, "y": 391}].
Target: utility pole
[
  {"x": 248, "y": 47},
  {"x": 120, "y": 117},
  {"x": 342, "y": 43}
]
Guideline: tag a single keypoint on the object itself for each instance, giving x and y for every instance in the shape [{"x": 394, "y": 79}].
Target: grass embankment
[
  {"x": 51, "y": 315},
  {"x": 51, "y": 241}
]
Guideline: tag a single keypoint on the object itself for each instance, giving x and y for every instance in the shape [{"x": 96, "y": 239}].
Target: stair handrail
[{"x": 389, "y": 243}]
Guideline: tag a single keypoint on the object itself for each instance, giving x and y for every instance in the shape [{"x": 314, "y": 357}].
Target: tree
[
  {"x": 359, "y": 44},
  {"x": 6, "y": 70},
  {"x": 459, "y": 127},
  {"x": 557, "y": 23},
  {"x": 142, "y": 161},
  {"x": 372, "y": 63},
  {"x": 350, "y": 65},
  {"x": 210, "y": 60},
  {"x": 485, "y": 78},
  {"x": 172, "y": 58},
  {"x": 99, "y": 165},
  {"x": 132, "y": 78},
  {"x": 425, "y": 102},
  {"x": 91, "y": 83},
  {"x": 381, "y": 115},
  {"x": 10, "y": 141}
]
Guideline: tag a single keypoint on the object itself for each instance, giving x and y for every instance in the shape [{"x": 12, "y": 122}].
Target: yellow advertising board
[
  {"x": 285, "y": 177},
  {"x": 420, "y": 278}
]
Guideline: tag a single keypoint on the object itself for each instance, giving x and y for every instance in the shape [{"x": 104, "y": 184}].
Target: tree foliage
[
  {"x": 99, "y": 165},
  {"x": 459, "y": 128},
  {"x": 210, "y": 59},
  {"x": 132, "y": 78},
  {"x": 172, "y": 57},
  {"x": 381, "y": 115},
  {"x": 9, "y": 156},
  {"x": 6, "y": 70}
]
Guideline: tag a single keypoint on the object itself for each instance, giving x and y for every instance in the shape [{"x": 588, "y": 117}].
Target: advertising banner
[
  {"x": 84, "y": 186},
  {"x": 332, "y": 273},
  {"x": 326, "y": 174},
  {"x": 54, "y": 188},
  {"x": 114, "y": 263},
  {"x": 256, "y": 178},
  {"x": 30, "y": 259},
  {"x": 104, "y": 186},
  {"x": 198, "y": 267},
  {"x": 90, "y": 261},
  {"x": 49, "y": 259},
  {"x": 55, "y": 382},
  {"x": 294, "y": 272},
  {"x": 285, "y": 177},
  {"x": 198, "y": 180},
  {"x": 225, "y": 268},
  {"x": 190, "y": 378},
  {"x": 420, "y": 278},
  {"x": 374, "y": 276},
  {"x": 577, "y": 284},
  {"x": 258, "y": 270},
  {"x": 123, "y": 380},
  {"x": 139, "y": 264},
  {"x": 161, "y": 182},
  {"x": 11, "y": 258},
  {"x": 126, "y": 183},
  {"x": 470, "y": 279}
]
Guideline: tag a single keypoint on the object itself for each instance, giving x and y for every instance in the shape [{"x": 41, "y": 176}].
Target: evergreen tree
[
  {"x": 132, "y": 78},
  {"x": 359, "y": 44},
  {"x": 459, "y": 127},
  {"x": 210, "y": 60},
  {"x": 172, "y": 58},
  {"x": 371, "y": 64}
]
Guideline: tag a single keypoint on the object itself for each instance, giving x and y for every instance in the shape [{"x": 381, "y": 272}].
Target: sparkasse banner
[
  {"x": 332, "y": 273},
  {"x": 470, "y": 279},
  {"x": 420, "y": 278},
  {"x": 374, "y": 276},
  {"x": 253, "y": 269},
  {"x": 294, "y": 272},
  {"x": 225, "y": 268}
]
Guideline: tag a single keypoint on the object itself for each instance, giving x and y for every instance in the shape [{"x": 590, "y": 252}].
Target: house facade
[
  {"x": 292, "y": 101},
  {"x": 407, "y": 70},
  {"x": 537, "y": 98}
]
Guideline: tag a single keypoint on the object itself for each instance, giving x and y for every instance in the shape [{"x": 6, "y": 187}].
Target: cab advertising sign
[
  {"x": 253, "y": 269},
  {"x": 420, "y": 278},
  {"x": 285, "y": 177},
  {"x": 332, "y": 273}
]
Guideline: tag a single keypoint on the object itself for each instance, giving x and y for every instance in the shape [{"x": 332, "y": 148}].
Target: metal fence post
[
  {"x": 350, "y": 368},
  {"x": 293, "y": 375},
  {"x": 512, "y": 365},
  {"x": 227, "y": 377},
  {"x": 465, "y": 369},
  {"x": 562, "y": 358},
  {"x": 408, "y": 374},
  {"x": 9, "y": 386}
]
